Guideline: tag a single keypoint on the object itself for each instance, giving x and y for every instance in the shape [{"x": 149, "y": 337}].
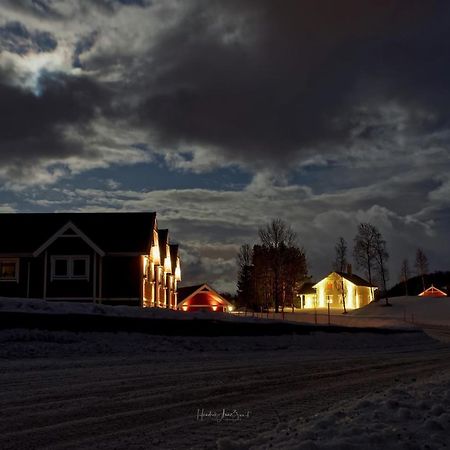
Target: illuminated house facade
[
  {"x": 331, "y": 290},
  {"x": 202, "y": 298},
  {"x": 110, "y": 258}
]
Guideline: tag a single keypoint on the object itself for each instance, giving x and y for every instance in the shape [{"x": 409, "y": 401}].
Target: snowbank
[
  {"x": 68, "y": 307},
  {"x": 412, "y": 415}
]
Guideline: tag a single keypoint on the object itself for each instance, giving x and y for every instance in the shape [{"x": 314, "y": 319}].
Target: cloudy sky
[{"x": 223, "y": 114}]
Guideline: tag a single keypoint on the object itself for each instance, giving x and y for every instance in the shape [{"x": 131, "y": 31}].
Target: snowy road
[{"x": 63, "y": 391}]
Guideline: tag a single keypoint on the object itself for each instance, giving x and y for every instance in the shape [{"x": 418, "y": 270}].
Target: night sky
[{"x": 221, "y": 115}]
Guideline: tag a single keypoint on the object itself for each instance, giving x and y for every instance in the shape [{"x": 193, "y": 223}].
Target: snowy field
[
  {"x": 63, "y": 390},
  {"x": 405, "y": 312}
]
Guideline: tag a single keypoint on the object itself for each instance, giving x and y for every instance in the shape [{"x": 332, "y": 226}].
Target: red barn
[
  {"x": 202, "y": 298},
  {"x": 432, "y": 292}
]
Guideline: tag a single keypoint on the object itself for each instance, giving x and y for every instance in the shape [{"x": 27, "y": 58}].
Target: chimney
[{"x": 349, "y": 269}]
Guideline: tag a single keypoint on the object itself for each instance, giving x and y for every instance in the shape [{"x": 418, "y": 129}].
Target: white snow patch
[{"x": 414, "y": 415}]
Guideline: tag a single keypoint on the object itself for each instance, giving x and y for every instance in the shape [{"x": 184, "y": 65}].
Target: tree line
[{"x": 271, "y": 272}]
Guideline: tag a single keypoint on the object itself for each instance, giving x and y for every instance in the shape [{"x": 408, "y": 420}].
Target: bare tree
[
  {"x": 340, "y": 265},
  {"x": 364, "y": 248},
  {"x": 381, "y": 258},
  {"x": 421, "y": 265},
  {"x": 340, "y": 262},
  {"x": 277, "y": 233},
  {"x": 405, "y": 273}
]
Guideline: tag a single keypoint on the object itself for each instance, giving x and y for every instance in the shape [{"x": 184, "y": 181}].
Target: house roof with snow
[{"x": 25, "y": 233}]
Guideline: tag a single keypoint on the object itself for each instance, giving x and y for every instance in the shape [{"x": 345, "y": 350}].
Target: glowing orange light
[
  {"x": 184, "y": 307},
  {"x": 214, "y": 307}
]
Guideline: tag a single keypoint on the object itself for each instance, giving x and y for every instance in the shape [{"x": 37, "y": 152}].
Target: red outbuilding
[
  {"x": 202, "y": 298},
  {"x": 432, "y": 292}
]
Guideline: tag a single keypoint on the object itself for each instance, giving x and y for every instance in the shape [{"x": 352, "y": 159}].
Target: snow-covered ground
[
  {"x": 64, "y": 390},
  {"x": 404, "y": 313},
  {"x": 409, "y": 415},
  {"x": 103, "y": 390}
]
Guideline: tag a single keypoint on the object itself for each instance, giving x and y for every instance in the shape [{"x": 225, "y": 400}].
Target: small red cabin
[
  {"x": 202, "y": 298},
  {"x": 432, "y": 292}
]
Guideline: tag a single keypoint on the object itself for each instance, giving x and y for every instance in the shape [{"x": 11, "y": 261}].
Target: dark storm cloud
[
  {"x": 83, "y": 45},
  {"x": 16, "y": 38},
  {"x": 38, "y": 8},
  {"x": 32, "y": 125},
  {"x": 276, "y": 80}
]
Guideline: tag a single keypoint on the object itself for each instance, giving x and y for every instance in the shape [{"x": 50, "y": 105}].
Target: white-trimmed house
[{"x": 335, "y": 287}]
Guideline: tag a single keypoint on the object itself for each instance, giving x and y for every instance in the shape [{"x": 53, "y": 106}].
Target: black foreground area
[{"x": 170, "y": 327}]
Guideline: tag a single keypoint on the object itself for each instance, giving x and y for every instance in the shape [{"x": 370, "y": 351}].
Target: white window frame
[
  {"x": 16, "y": 277},
  {"x": 70, "y": 260}
]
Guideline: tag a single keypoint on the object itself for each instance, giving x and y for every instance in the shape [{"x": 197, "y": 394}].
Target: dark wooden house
[{"x": 107, "y": 258}]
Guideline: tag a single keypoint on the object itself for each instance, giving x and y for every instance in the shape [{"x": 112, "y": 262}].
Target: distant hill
[{"x": 441, "y": 280}]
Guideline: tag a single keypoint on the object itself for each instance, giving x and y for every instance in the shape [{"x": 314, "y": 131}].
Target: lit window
[
  {"x": 9, "y": 270},
  {"x": 70, "y": 267}
]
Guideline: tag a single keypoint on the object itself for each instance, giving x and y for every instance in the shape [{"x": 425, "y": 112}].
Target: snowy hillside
[{"x": 420, "y": 310}]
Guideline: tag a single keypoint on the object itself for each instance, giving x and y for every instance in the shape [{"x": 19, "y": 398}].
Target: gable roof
[
  {"x": 173, "y": 256},
  {"x": 355, "y": 279},
  {"x": 112, "y": 232},
  {"x": 307, "y": 288},
  {"x": 163, "y": 237},
  {"x": 185, "y": 293},
  {"x": 69, "y": 229},
  {"x": 433, "y": 291}
]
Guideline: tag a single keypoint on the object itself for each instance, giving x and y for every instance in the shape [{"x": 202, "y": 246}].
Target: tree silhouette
[{"x": 421, "y": 265}]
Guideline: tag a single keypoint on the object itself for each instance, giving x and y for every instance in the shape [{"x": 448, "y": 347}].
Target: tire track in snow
[{"x": 161, "y": 413}]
